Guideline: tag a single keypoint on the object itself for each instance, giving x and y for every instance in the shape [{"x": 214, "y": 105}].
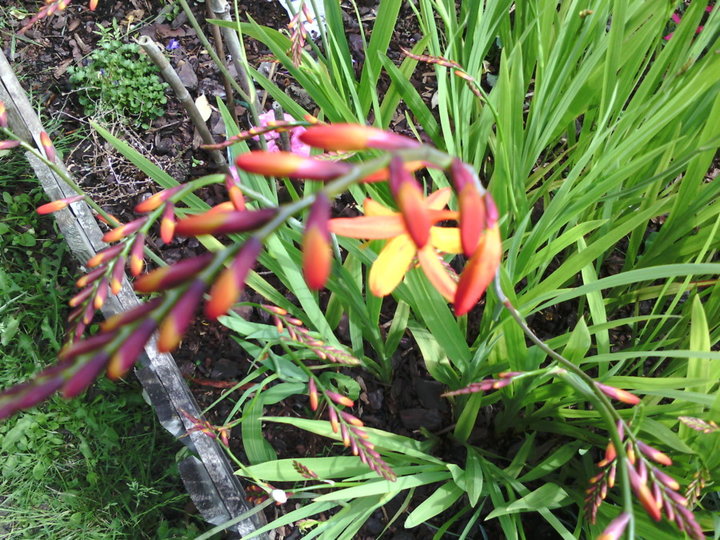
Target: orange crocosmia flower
[{"x": 396, "y": 258}]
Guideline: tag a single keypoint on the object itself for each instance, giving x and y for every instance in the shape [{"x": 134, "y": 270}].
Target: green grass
[{"x": 96, "y": 467}]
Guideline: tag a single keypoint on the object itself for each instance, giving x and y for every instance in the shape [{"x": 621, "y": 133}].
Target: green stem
[{"x": 603, "y": 404}]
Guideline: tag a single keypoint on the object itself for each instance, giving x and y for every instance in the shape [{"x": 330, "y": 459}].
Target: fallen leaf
[{"x": 204, "y": 107}]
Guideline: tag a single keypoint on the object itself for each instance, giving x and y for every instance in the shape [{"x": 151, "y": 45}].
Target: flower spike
[
  {"x": 317, "y": 252},
  {"x": 347, "y": 137}
]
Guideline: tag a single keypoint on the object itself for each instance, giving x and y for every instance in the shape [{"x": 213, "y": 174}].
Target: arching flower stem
[{"x": 587, "y": 386}]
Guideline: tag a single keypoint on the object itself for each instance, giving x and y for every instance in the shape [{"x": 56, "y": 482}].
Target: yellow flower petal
[
  {"x": 374, "y": 208},
  {"x": 436, "y": 272},
  {"x": 391, "y": 265},
  {"x": 446, "y": 239}
]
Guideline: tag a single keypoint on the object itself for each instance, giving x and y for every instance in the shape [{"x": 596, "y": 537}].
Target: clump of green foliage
[{"x": 119, "y": 78}]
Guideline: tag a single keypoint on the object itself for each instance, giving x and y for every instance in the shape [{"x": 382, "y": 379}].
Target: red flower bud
[
  {"x": 656, "y": 455},
  {"x": 167, "y": 223},
  {"x": 85, "y": 375},
  {"x": 235, "y": 194},
  {"x": 340, "y": 399},
  {"x": 80, "y": 297},
  {"x": 54, "y": 206},
  {"x": 616, "y": 528},
  {"x": 85, "y": 346},
  {"x": 176, "y": 323},
  {"x": 168, "y": 277},
  {"x": 317, "y": 252},
  {"x": 411, "y": 201},
  {"x": 478, "y": 272},
  {"x": 618, "y": 394},
  {"x": 313, "y": 394},
  {"x": 224, "y": 222},
  {"x": 136, "y": 261},
  {"x": 90, "y": 277},
  {"x": 47, "y": 146},
  {"x": 104, "y": 255},
  {"x": 118, "y": 273},
  {"x": 132, "y": 315},
  {"x": 354, "y": 137},
  {"x": 101, "y": 294},
  {"x": 227, "y": 288},
  {"x": 154, "y": 201},
  {"x": 131, "y": 348},
  {"x": 118, "y": 233},
  {"x": 290, "y": 165},
  {"x": 8, "y": 144},
  {"x": 643, "y": 493}
]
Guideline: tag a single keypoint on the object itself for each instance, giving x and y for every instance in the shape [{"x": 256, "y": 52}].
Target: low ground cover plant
[
  {"x": 595, "y": 136},
  {"x": 119, "y": 80}
]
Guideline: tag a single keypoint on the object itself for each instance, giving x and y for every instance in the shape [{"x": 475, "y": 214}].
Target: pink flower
[
  {"x": 296, "y": 145},
  {"x": 676, "y": 19}
]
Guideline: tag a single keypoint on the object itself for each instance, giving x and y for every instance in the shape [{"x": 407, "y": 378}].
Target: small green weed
[{"x": 120, "y": 79}]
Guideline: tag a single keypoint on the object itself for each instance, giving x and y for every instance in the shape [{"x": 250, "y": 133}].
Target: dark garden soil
[{"x": 209, "y": 357}]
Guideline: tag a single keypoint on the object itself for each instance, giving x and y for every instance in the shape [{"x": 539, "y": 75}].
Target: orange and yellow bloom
[{"x": 396, "y": 258}]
